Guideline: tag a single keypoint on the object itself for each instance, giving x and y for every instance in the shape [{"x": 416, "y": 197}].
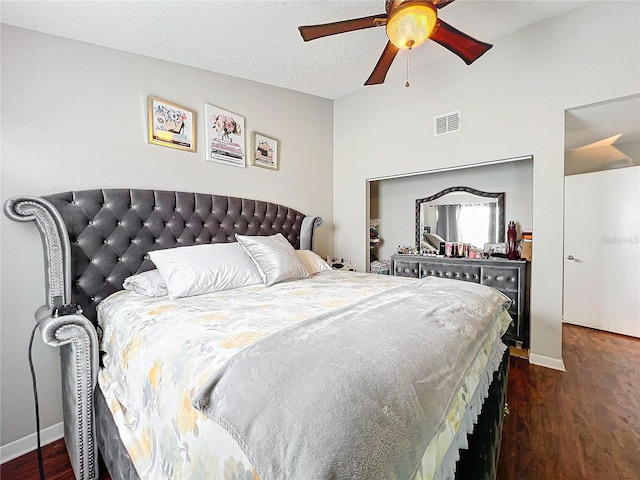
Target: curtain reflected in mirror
[
  {"x": 447, "y": 221},
  {"x": 459, "y": 214},
  {"x": 468, "y": 223}
]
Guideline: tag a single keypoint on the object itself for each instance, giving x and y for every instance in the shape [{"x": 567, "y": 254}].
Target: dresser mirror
[{"x": 459, "y": 214}]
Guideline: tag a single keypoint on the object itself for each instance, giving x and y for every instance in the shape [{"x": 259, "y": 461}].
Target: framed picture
[
  {"x": 224, "y": 136},
  {"x": 171, "y": 125},
  {"x": 265, "y": 151},
  {"x": 490, "y": 248}
]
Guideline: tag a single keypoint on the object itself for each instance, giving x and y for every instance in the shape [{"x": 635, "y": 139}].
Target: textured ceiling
[{"x": 259, "y": 40}]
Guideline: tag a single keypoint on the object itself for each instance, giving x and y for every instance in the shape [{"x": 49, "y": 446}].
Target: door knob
[{"x": 569, "y": 257}]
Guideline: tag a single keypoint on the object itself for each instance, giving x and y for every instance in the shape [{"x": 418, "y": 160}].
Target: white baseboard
[
  {"x": 30, "y": 442},
  {"x": 555, "y": 363}
]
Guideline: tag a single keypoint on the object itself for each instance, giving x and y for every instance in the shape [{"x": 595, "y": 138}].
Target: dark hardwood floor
[{"x": 583, "y": 424}]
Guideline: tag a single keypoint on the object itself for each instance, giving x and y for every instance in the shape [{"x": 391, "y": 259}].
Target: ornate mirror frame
[{"x": 499, "y": 196}]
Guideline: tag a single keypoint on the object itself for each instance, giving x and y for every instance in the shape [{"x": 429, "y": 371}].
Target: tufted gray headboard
[
  {"x": 93, "y": 240},
  {"x": 110, "y": 231}
]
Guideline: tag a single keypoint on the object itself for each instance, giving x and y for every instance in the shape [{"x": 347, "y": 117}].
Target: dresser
[{"x": 507, "y": 276}]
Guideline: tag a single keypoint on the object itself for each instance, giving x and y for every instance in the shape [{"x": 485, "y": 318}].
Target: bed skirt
[{"x": 479, "y": 461}]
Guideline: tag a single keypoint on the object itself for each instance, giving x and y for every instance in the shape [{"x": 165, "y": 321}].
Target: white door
[{"x": 602, "y": 250}]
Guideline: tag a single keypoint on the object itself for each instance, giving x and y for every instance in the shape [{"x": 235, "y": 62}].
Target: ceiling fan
[{"x": 409, "y": 23}]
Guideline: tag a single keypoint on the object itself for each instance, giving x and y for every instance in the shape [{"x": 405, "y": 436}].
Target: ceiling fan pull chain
[{"x": 408, "y": 56}]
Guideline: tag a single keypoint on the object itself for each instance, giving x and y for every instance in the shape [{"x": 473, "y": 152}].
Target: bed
[{"x": 157, "y": 386}]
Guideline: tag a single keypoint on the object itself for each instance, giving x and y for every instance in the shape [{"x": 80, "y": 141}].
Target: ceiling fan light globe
[{"x": 411, "y": 24}]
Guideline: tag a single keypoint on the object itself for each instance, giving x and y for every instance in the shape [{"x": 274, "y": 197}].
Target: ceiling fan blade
[
  {"x": 467, "y": 48},
  {"x": 382, "y": 67},
  {"x": 311, "y": 32},
  {"x": 442, "y": 3}
]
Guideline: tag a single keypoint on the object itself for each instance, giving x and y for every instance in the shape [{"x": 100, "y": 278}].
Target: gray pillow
[{"x": 274, "y": 257}]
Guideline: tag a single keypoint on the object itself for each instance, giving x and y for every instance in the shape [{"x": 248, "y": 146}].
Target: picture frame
[
  {"x": 224, "y": 136},
  {"x": 490, "y": 248},
  {"x": 171, "y": 125},
  {"x": 265, "y": 151}
]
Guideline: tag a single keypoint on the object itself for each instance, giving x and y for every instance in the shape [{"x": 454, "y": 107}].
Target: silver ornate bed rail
[{"x": 73, "y": 332}]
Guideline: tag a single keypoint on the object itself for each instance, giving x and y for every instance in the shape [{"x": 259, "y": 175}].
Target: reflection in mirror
[{"x": 459, "y": 214}]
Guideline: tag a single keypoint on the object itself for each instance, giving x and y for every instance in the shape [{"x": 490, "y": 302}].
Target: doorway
[{"x": 602, "y": 216}]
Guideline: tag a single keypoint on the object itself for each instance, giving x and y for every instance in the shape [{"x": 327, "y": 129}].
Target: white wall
[
  {"x": 513, "y": 101},
  {"x": 396, "y": 198},
  {"x": 74, "y": 117}
]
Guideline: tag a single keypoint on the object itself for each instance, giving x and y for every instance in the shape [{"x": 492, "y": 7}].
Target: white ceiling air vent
[{"x": 447, "y": 123}]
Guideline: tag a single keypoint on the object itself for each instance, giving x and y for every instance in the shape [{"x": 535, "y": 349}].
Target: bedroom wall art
[
  {"x": 171, "y": 125},
  {"x": 224, "y": 136},
  {"x": 265, "y": 151}
]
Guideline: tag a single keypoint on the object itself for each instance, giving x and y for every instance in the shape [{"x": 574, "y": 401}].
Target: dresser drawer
[
  {"x": 500, "y": 278},
  {"x": 468, "y": 273},
  {"x": 515, "y": 307},
  {"x": 406, "y": 269}
]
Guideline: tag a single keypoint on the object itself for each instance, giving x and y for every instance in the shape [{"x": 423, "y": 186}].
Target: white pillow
[
  {"x": 274, "y": 256},
  {"x": 312, "y": 262},
  {"x": 149, "y": 283},
  {"x": 201, "y": 269}
]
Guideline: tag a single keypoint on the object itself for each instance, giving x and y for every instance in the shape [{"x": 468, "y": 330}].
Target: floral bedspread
[{"x": 159, "y": 352}]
